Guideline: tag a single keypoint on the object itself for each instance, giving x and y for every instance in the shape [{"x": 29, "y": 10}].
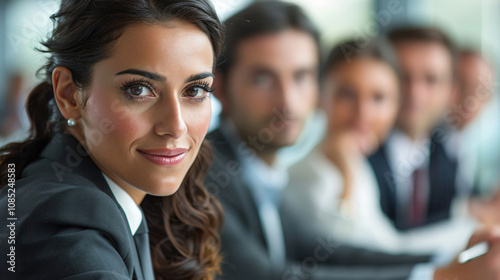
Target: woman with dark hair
[{"x": 116, "y": 148}]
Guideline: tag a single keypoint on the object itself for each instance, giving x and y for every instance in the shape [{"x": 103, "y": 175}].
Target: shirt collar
[
  {"x": 404, "y": 151},
  {"x": 132, "y": 211}
]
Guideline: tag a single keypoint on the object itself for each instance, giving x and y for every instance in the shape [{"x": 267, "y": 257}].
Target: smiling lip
[{"x": 164, "y": 157}]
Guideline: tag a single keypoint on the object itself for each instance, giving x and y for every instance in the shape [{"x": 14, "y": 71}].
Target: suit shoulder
[
  {"x": 46, "y": 203},
  {"x": 80, "y": 206},
  {"x": 84, "y": 219}
]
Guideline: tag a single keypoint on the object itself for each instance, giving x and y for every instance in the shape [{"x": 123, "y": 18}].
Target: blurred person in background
[
  {"x": 13, "y": 120},
  {"x": 360, "y": 96},
  {"x": 335, "y": 184},
  {"x": 415, "y": 173},
  {"x": 267, "y": 84},
  {"x": 475, "y": 76}
]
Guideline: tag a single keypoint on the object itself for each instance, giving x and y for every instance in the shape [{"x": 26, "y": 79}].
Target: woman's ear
[{"x": 66, "y": 93}]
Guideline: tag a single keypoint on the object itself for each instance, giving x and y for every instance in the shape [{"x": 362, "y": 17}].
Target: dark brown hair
[
  {"x": 262, "y": 18},
  {"x": 422, "y": 34},
  {"x": 344, "y": 52},
  {"x": 184, "y": 227}
]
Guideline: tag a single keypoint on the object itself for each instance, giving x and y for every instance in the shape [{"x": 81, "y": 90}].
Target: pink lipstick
[{"x": 164, "y": 157}]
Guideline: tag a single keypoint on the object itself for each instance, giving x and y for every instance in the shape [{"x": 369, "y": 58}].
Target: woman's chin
[
  {"x": 163, "y": 190},
  {"x": 166, "y": 192}
]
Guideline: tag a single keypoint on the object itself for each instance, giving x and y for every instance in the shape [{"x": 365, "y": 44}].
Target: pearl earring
[{"x": 71, "y": 122}]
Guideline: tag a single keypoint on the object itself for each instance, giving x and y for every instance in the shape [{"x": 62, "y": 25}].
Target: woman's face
[
  {"x": 362, "y": 99},
  {"x": 148, "y": 107}
]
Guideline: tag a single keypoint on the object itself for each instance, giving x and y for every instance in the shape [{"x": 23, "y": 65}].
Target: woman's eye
[
  {"x": 196, "y": 92},
  {"x": 346, "y": 94},
  {"x": 139, "y": 91}
]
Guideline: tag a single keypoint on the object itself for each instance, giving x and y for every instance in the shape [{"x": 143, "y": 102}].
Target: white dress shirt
[
  {"x": 132, "y": 211},
  {"x": 315, "y": 186}
]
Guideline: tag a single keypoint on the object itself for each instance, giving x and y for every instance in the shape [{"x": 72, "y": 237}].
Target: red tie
[{"x": 418, "y": 201}]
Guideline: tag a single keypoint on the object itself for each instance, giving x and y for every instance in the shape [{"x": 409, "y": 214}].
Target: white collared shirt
[{"x": 132, "y": 211}]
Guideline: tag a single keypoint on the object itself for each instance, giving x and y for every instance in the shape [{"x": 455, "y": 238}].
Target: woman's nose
[{"x": 170, "y": 121}]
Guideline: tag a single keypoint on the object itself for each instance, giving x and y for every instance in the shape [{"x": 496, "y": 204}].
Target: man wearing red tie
[{"x": 416, "y": 176}]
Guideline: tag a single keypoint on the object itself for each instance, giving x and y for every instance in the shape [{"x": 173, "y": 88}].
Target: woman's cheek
[
  {"x": 341, "y": 117},
  {"x": 198, "y": 121},
  {"x": 116, "y": 122},
  {"x": 126, "y": 121},
  {"x": 130, "y": 126}
]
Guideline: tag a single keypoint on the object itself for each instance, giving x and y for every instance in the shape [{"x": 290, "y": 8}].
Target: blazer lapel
[
  {"x": 442, "y": 173},
  {"x": 138, "y": 274},
  {"x": 237, "y": 193},
  {"x": 70, "y": 157}
]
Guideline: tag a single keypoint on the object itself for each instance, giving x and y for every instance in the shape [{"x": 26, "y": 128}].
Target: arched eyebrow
[
  {"x": 149, "y": 75},
  {"x": 200, "y": 76},
  {"x": 160, "y": 78}
]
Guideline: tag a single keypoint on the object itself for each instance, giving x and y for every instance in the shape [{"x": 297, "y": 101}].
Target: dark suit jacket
[
  {"x": 69, "y": 225},
  {"x": 310, "y": 253},
  {"x": 442, "y": 174}
]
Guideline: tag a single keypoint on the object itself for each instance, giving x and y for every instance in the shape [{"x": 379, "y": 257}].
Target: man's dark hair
[
  {"x": 262, "y": 18},
  {"x": 424, "y": 35}
]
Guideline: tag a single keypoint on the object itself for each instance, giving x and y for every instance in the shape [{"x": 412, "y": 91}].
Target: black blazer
[
  {"x": 69, "y": 225},
  {"x": 245, "y": 250},
  {"x": 442, "y": 175}
]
